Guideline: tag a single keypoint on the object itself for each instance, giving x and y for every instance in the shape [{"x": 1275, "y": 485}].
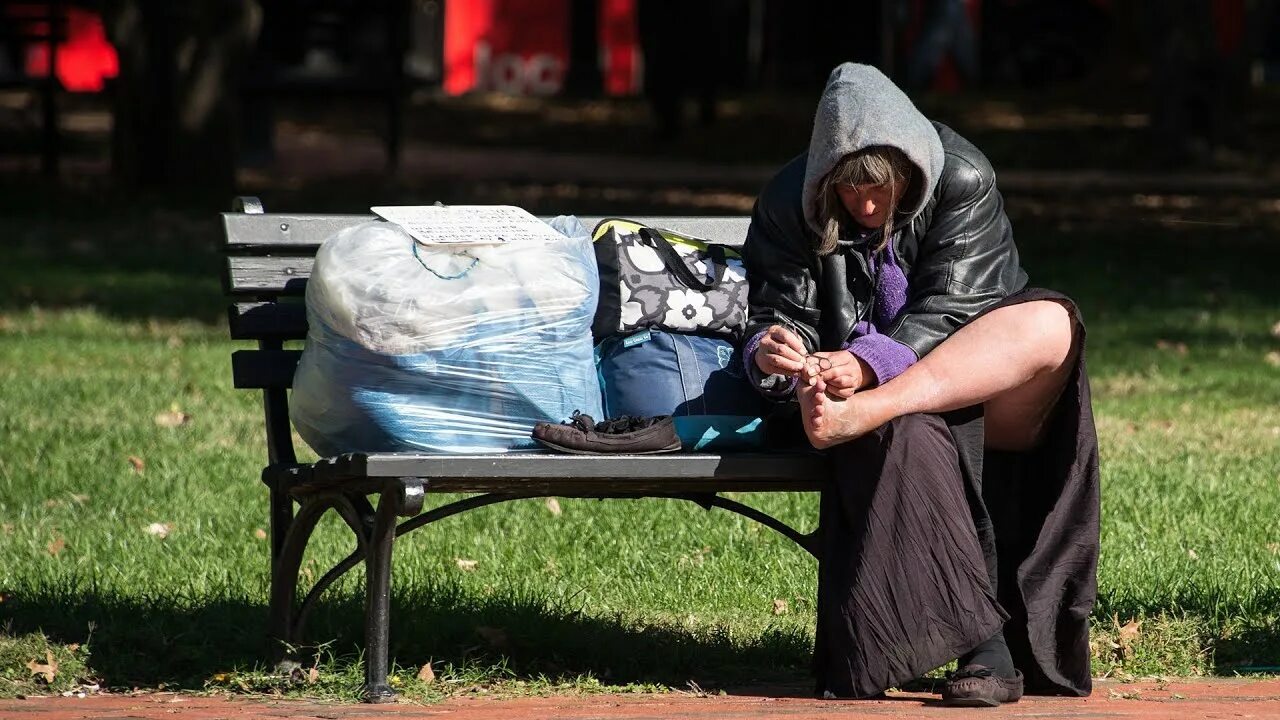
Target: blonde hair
[{"x": 880, "y": 165}]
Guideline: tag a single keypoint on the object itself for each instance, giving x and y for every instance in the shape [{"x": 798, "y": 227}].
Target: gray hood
[{"x": 861, "y": 108}]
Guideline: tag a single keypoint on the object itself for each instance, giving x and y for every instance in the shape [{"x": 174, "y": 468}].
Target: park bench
[{"x": 268, "y": 260}]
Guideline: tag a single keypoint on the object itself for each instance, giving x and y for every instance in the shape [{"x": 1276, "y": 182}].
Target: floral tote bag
[{"x": 660, "y": 279}]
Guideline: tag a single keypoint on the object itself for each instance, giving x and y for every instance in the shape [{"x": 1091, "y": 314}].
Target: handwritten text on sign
[{"x": 468, "y": 224}]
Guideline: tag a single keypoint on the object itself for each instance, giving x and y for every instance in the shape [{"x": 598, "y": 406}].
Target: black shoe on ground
[
  {"x": 624, "y": 435},
  {"x": 979, "y": 686}
]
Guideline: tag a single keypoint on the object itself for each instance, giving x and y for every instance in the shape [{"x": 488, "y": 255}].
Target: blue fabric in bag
[{"x": 699, "y": 380}]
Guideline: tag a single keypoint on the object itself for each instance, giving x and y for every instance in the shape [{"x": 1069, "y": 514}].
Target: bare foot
[
  {"x": 830, "y": 420},
  {"x": 813, "y": 410}
]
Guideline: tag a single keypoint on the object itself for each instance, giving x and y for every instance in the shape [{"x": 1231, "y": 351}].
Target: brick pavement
[{"x": 1218, "y": 698}]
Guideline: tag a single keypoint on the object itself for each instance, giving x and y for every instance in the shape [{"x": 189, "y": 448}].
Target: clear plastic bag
[{"x": 445, "y": 349}]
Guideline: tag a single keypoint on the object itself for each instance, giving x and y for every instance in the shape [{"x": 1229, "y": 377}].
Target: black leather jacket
[{"x": 958, "y": 255}]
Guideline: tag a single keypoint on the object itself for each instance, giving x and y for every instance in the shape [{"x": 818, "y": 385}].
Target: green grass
[{"x": 101, "y": 332}]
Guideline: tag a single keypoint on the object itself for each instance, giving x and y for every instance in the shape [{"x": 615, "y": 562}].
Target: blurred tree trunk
[
  {"x": 178, "y": 93},
  {"x": 584, "y": 78}
]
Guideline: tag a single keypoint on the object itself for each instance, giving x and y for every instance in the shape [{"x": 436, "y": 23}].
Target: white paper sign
[{"x": 468, "y": 224}]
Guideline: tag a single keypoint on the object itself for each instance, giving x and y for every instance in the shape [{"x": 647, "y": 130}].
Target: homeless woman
[{"x": 887, "y": 299}]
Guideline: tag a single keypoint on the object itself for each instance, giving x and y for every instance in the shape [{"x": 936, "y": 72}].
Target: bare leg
[{"x": 1015, "y": 360}]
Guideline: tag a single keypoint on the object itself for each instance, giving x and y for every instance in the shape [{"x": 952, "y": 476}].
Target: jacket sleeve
[
  {"x": 966, "y": 260},
  {"x": 781, "y": 274}
]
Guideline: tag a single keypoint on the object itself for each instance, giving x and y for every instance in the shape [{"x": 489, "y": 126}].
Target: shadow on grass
[
  {"x": 160, "y": 642},
  {"x": 1254, "y": 648},
  {"x": 149, "y": 643}
]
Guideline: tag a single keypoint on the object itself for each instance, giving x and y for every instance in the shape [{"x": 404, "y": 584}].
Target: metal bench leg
[
  {"x": 290, "y": 538},
  {"x": 828, "y": 503},
  {"x": 403, "y": 497}
]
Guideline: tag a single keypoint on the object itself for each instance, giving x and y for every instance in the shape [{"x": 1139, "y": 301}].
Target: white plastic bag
[{"x": 445, "y": 349}]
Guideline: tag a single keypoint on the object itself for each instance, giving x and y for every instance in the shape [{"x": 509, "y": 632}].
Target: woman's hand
[
  {"x": 781, "y": 352},
  {"x": 840, "y": 373}
]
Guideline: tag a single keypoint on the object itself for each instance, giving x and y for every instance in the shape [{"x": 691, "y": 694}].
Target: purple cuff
[
  {"x": 771, "y": 386},
  {"x": 886, "y": 357}
]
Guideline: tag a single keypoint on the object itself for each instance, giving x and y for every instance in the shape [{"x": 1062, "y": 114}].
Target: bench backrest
[{"x": 268, "y": 261}]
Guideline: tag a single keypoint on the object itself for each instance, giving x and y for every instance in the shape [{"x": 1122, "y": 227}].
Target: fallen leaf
[
  {"x": 56, "y": 546},
  {"x": 1130, "y": 631},
  {"x": 1193, "y": 554},
  {"x": 1273, "y": 358},
  {"x": 1275, "y": 330},
  {"x": 553, "y": 505},
  {"x": 465, "y": 565},
  {"x": 137, "y": 463},
  {"x": 160, "y": 530},
  {"x": 73, "y": 647},
  {"x": 426, "y": 674},
  {"x": 1274, "y": 548},
  {"x": 260, "y": 534},
  {"x": 52, "y": 503},
  {"x": 172, "y": 419},
  {"x": 220, "y": 677},
  {"x": 496, "y": 637},
  {"x": 79, "y": 499},
  {"x": 779, "y": 606},
  {"x": 313, "y": 675},
  {"x": 697, "y": 557},
  {"x": 1122, "y": 695},
  {"x": 48, "y": 669}
]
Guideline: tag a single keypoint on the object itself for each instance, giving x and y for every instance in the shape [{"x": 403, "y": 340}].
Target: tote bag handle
[{"x": 677, "y": 266}]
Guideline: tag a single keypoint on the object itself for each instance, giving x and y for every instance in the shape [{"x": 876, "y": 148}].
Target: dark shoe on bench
[
  {"x": 979, "y": 686},
  {"x": 625, "y": 435}
]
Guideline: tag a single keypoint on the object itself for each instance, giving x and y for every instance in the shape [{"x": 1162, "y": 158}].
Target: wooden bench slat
[
  {"x": 587, "y": 488},
  {"x": 730, "y": 231},
  {"x": 270, "y": 275},
  {"x": 301, "y": 234},
  {"x": 583, "y": 474},
  {"x": 267, "y": 321},
  {"x": 267, "y": 276},
  {"x": 263, "y": 369},
  {"x": 746, "y": 465}
]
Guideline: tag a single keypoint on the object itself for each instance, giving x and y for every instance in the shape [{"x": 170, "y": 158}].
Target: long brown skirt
[{"x": 931, "y": 544}]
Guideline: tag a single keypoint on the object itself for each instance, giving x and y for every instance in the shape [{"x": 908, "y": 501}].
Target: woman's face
[{"x": 869, "y": 205}]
